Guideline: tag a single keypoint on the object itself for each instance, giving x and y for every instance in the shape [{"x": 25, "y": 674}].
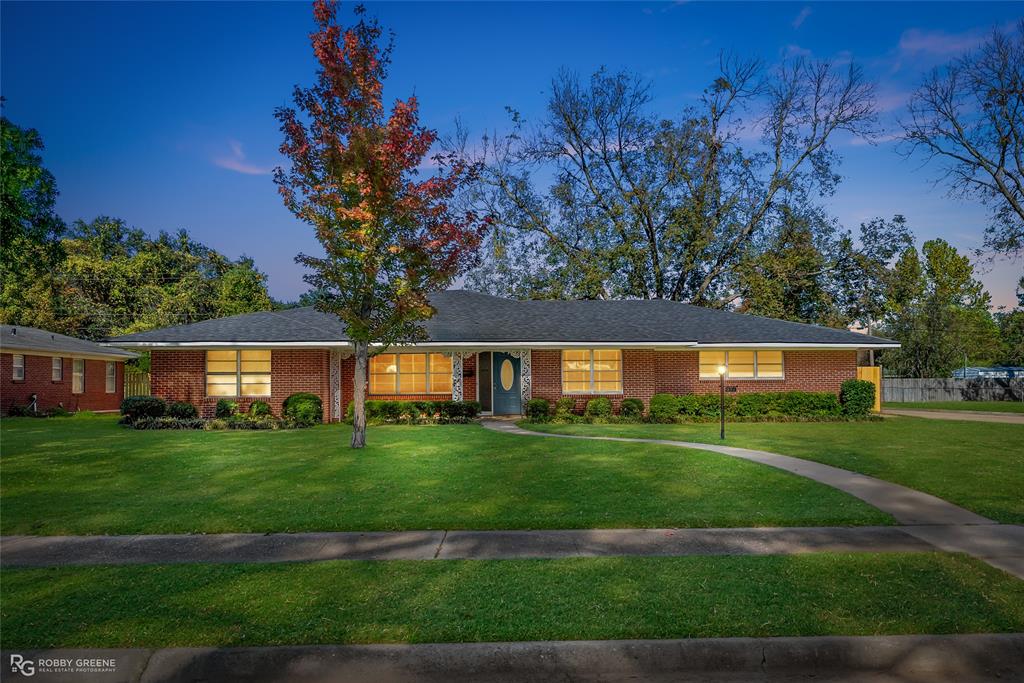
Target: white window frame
[
  {"x": 755, "y": 378},
  {"x": 18, "y": 367},
  {"x": 398, "y": 374},
  {"x": 77, "y": 378},
  {"x": 56, "y": 369},
  {"x": 111, "y": 377},
  {"x": 591, "y": 392}
]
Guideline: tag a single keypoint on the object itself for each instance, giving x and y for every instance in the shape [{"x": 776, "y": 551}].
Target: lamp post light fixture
[{"x": 721, "y": 400}]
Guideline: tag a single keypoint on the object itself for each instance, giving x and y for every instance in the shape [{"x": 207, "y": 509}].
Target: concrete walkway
[
  {"x": 43, "y": 551},
  {"x": 962, "y": 415},
  {"x": 943, "y": 524},
  {"x": 825, "y": 659},
  {"x": 906, "y": 505}
]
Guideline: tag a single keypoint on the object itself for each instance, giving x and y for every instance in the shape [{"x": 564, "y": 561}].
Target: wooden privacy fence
[
  {"x": 136, "y": 384},
  {"x": 912, "y": 390}
]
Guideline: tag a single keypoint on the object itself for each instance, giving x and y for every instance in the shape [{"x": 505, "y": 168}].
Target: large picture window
[
  {"x": 592, "y": 371},
  {"x": 742, "y": 364},
  {"x": 238, "y": 373},
  {"x": 411, "y": 373}
]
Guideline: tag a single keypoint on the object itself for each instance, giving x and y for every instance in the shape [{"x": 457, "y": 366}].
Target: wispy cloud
[
  {"x": 915, "y": 41},
  {"x": 793, "y": 50},
  {"x": 235, "y": 161},
  {"x": 802, "y": 17}
]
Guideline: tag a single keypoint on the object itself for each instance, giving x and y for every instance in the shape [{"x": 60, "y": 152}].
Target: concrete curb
[
  {"x": 962, "y": 415},
  {"x": 931, "y": 659}
]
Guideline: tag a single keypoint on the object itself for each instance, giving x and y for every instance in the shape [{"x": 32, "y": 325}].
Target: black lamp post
[{"x": 721, "y": 400}]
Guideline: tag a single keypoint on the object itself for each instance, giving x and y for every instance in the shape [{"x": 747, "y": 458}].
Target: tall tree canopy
[
  {"x": 29, "y": 228},
  {"x": 939, "y": 314},
  {"x": 388, "y": 238},
  {"x": 968, "y": 118},
  {"x": 605, "y": 199}
]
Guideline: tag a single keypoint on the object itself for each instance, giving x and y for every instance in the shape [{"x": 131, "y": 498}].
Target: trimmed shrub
[
  {"x": 225, "y": 408},
  {"x": 664, "y": 408},
  {"x": 260, "y": 409},
  {"x": 181, "y": 410},
  {"x": 565, "y": 406},
  {"x": 147, "y": 423},
  {"x": 538, "y": 409},
  {"x": 135, "y": 407},
  {"x": 305, "y": 412},
  {"x": 299, "y": 397},
  {"x": 598, "y": 407},
  {"x": 857, "y": 397},
  {"x": 631, "y": 408}
]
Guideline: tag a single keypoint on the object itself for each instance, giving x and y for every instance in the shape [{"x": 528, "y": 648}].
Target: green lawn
[
  {"x": 454, "y": 601},
  {"x": 90, "y": 476},
  {"x": 977, "y": 465},
  {"x": 983, "y": 406}
]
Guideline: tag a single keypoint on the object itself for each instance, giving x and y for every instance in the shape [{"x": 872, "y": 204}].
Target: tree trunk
[{"x": 359, "y": 395}]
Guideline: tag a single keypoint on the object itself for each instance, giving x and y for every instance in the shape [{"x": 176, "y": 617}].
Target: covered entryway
[{"x": 500, "y": 383}]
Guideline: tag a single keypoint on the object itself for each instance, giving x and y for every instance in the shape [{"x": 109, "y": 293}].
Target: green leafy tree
[
  {"x": 940, "y": 314},
  {"x": 388, "y": 238},
  {"x": 242, "y": 289},
  {"x": 606, "y": 199},
  {"x": 30, "y": 230}
]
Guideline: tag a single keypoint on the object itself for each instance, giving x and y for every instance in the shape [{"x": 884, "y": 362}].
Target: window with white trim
[
  {"x": 77, "y": 375},
  {"x": 111, "y": 377},
  {"x": 411, "y": 373},
  {"x": 592, "y": 371},
  {"x": 742, "y": 364},
  {"x": 18, "y": 367},
  {"x": 57, "y": 369},
  {"x": 238, "y": 373}
]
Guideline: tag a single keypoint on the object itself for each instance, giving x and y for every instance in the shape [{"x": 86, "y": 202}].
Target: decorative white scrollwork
[
  {"x": 335, "y": 369},
  {"x": 525, "y": 373},
  {"x": 456, "y": 375}
]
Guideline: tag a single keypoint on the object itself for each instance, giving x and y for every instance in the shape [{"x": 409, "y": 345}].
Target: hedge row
[
  {"x": 418, "y": 412},
  {"x": 855, "y": 400},
  {"x": 150, "y": 412}
]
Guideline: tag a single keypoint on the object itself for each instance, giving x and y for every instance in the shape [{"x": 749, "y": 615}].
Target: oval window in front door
[{"x": 507, "y": 375}]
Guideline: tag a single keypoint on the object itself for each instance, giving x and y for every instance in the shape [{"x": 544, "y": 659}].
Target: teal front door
[{"x": 505, "y": 380}]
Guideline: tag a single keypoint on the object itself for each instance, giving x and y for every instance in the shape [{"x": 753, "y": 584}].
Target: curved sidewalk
[{"x": 936, "y": 521}]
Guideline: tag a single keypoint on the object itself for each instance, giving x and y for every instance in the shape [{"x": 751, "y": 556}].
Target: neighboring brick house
[
  {"x": 59, "y": 371},
  {"x": 501, "y": 352}
]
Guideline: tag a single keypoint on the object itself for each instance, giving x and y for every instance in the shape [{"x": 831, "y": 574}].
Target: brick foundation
[{"x": 51, "y": 394}]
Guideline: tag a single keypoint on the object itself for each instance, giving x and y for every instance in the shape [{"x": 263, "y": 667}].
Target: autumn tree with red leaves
[{"x": 389, "y": 239}]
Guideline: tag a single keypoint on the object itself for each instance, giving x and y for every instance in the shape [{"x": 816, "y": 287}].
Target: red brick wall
[
  {"x": 645, "y": 373},
  {"x": 51, "y": 394},
  {"x": 181, "y": 376}
]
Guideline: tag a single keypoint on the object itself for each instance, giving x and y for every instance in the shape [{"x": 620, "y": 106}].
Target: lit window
[
  {"x": 742, "y": 364},
  {"x": 238, "y": 373},
  {"x": 78, "y": 376},
  {"x": 592, "y": 371},
  {"x": 57, "y": 369},
  {"x": 18, "y": 368},
  {"x": 410, "y": 373},
  {"x": 111, "y": 377}
]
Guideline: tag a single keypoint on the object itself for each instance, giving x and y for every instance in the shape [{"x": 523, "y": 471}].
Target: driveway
[{"x": 968, "y": 415}]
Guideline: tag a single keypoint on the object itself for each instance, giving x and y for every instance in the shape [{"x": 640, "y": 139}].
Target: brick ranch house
[
  {"x": 60, "y": 371},
  {"x": 501, "y": 353}
]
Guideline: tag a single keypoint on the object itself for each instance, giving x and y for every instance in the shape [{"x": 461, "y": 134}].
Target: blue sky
[{"x": 162, "y": 114}]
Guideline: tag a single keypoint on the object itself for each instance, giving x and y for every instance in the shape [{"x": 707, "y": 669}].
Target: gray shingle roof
[
  {"x": 470, "y": 317},
  {"x": 19, "y": 338}
]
